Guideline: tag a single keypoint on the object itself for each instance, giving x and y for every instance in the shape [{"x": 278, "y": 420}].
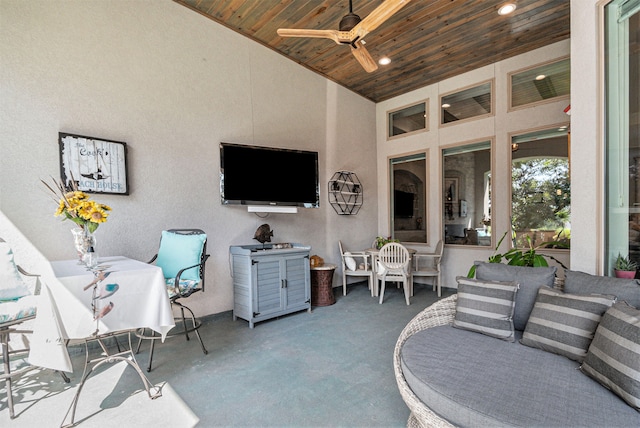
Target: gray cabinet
[{"x": 269, "y": 282}]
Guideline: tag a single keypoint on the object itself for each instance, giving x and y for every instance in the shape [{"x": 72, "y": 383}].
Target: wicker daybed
[
  {"x": 451, "y": 376},
  {"x": 440, "y": 313}
]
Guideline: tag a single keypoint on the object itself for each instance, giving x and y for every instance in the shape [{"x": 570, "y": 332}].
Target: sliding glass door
[{"x": 622, "y": 88}]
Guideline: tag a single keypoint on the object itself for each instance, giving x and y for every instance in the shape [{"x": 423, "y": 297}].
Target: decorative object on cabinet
[
  {"x": 345, "y": 193},
  {"x": 263, "y": 234},
  {"x": 269, "y": 282},
  {"x": 94, "y": 164}
]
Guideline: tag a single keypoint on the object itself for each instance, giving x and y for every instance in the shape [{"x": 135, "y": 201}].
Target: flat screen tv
[{"x": 254, "y": 175}]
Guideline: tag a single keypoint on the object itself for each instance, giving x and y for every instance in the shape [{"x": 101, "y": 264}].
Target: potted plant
[
  {"x": 381, "y": 241},
  {"x": 625, "y": 267},
  {"x": 523, "y": 257}
]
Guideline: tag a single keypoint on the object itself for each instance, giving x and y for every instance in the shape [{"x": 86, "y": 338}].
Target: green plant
[
  {"x": 625, "y": 263},
  {"x": 523, "y": 257},
  {"x": 381, "y": 241}
]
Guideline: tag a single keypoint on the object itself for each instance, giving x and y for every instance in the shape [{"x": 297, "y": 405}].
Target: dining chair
[
  {"x": 18, "y": 304},
  {"x": 355, "y": 263},
  {"x": 182, "y": 256},
  {"x": 393, "y": 265},
  {"x": 428, "y": 265}
]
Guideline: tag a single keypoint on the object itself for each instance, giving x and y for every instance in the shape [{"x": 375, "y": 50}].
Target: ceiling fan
[{"x": 352, "y": 29}]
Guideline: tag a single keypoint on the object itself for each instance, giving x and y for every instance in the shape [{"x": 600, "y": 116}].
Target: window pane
[
  {"x": 408, "y": 120},
  {"x": 541, "y": 83},
  {"x": 540, "y": 189},
  {"x": 467, "y": 194},
  {"x": 408, "y": 207},
  {"x": 466, "y": 104}
]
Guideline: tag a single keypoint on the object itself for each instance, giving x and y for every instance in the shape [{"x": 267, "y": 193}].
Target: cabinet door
[
  {"x": 297, "y": 281},
  {"x": 268, "y": 291}
]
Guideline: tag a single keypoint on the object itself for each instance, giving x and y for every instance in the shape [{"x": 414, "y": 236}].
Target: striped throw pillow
[
  {"x": 564, "y": 323},
  {"x": 486, "y": 307},
  {"x": 613, "y": 358}
]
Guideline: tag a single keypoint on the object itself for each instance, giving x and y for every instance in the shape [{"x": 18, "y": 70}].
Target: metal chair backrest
[{"x": 394, "y": 257}]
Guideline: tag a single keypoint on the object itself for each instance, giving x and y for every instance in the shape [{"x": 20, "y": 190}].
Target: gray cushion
[
  {"x": 584, "y": 283},
  {"x": 614, "y": 355},
  {"x": 474, "y": 381},
  {"x": 529, "y": 279},
  {"x": 486, "y": 307},
  {"x": 565, "y": 323}
]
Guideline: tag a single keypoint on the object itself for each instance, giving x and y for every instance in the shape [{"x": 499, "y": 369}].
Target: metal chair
[
  {"x": 182, "y": 256},
  {"x": 428, "y": 265},
  {"x": 355, "y": 263},
  {"x": 393, "y": 265},
  {"x": 19, "y": 305}
]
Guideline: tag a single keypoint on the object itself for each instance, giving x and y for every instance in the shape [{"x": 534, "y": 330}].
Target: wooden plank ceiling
[{"x": 427, "y": 40}]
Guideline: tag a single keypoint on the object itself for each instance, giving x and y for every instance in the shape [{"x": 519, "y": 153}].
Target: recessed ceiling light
[
  {"x": 540, "y": 76},
  {"x": 384, "y": 60},
  {"x": 445, "y": 105},
  {"x": 506, "y": 9}
]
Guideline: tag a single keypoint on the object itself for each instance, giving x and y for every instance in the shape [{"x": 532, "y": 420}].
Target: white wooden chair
[
  {"x": 428, "y": 265},
  {"x": 355, "y": 263},
  {"x": 393, "y": 265}
]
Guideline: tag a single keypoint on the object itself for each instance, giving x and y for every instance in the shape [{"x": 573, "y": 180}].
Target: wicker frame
[{"x": 440, "y": 313}]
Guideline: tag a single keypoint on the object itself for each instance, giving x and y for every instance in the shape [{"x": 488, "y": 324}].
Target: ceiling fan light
[
  {"x": 507, "y": 8},
  {"x": 540, "y": 76},
  {"x": 385, "y": 60},
  {"x": 348, "y": 21},
  {"x": 446, "y": 105}
]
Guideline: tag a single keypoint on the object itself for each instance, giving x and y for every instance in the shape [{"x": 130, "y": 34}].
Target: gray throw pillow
[
  {"x": 584, "y": 283},
  {"x": 614, "y": 355},
  {"x": 486, "y": 307},
  {"x": 564, "y": 323},
  {"x": 529, "y": 279}
]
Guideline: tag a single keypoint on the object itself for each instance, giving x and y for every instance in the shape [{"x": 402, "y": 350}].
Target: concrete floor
[{"x": 331, "y": 367}]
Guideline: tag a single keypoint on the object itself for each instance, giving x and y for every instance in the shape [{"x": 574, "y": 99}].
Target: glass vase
[{"x": 83, "y": 241}]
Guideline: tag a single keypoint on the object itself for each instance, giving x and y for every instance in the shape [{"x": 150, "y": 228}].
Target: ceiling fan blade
[
  {"x": 334, "y": 35},
  {"x": 364, "y": 58},
  {"x": 376, "y": 18}
]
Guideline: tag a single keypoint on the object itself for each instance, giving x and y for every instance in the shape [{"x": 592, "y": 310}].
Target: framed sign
[{"x": 96, "y": 165}]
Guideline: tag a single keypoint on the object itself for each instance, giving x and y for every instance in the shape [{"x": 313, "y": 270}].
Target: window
[
  {"x": 622, "y": 62},
  {"x": 544, "y": 82},
  {"x": 540, "y": 188},
  {"x": 408, "y": 120},
  {"x": 408, "y": 178},
  {"x": 469, "y": 103},
  {"x": 466, "y": 194}
]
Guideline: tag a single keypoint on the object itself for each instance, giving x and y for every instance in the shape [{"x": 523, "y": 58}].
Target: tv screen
[
  {"x": 402, "y": 204},
  {"x": 253, "y": 175}
]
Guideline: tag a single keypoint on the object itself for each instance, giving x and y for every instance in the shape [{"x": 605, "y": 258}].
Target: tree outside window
[{"x": 541, "y": 190}]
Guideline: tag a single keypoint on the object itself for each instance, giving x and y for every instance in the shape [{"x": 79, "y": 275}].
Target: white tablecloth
[{"x": 65, "y": 309}]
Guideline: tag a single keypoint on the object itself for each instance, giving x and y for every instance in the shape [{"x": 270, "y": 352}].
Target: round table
[{"x": 322, "y": 285}]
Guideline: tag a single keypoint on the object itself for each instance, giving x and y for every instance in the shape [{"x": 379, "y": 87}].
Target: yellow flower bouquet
[{"x": 76, "y": 206}]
